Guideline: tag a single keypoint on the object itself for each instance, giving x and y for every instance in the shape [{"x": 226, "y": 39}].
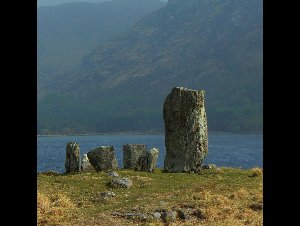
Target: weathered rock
[
  {"x": 185, "y": 130},
  {"x": 72, "y": 157},
  {"x": 156, "y": 215},
  {"x": 103, "y": 158},
  {"x": 143, "y": 163},
  {"x": 104, "y": 196},
  {"x": 86, "y": 166},
  {"x": 148, "y": 161},
  {"x": 182, "y": 214},
  {"x": 121, "y": 182},
  {"x": 169, "y": 216},
  {"x": 152, "y": 159},
  {"x": 132, "y": 153}
]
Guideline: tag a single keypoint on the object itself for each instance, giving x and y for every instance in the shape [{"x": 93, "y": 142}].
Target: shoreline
[{"x": 138, "y": 133}]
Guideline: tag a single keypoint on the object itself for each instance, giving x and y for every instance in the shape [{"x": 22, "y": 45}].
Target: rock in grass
[
  {"x": 104, "y": 196},
  {"x": 72, "y": 157},
  {"x": 86, "y": 166},
  {"x": 157, "y": 215},
  {"x": 121, "y": 182},
  {"x": 182, "y": 214},
  {"x": 107, "y": 195},
  {"x": 169, "y": 216},
  {"x": 103, "y": 158},
  {"x": 132, "y": 153},
  {"x": 185, "y": 130}
]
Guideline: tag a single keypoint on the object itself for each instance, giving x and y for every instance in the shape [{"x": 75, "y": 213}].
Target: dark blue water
[{"x": 231, "y": 150}]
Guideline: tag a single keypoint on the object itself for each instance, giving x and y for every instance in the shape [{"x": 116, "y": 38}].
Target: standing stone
[
  {"x": 103, "y": 158},
  {"x": 152, "y": 159},
  {"x": 86, "y": 165},
  {"x": 132, "y": 153},
  {"x": 185, "y": 130},
  {"x": 72, "y": 157},
  {"x": 148, "y": 161},
  {"x": 143, "y": 163}
]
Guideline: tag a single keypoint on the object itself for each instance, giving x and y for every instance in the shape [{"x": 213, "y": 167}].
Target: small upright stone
[
  {"x": 152, "y": 159},
  {"x": 103, "y": 158},
  {"x": 132, "y": 153},
  {"x": 72, "y": 157},
  {"x": 86, "y": 165},
  {"x": 185, "y": 130}
]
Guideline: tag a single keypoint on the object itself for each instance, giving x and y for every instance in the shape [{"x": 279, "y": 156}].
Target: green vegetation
[
  {"x": 199, "y": 44},
  {"x": 224, "y": 197}
]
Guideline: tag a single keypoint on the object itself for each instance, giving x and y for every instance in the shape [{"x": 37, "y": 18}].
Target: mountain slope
[
  {"x": 215, "y": 45},
  {"x": 67, "y": 32}
]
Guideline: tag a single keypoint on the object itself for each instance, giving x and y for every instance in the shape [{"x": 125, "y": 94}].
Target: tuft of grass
[
  {"x": 255, "y": 172},
  {"x": 212, "y": 197}
]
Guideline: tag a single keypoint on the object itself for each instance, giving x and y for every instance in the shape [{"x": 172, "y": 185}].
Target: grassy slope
[{"x": 225, "y": 197}]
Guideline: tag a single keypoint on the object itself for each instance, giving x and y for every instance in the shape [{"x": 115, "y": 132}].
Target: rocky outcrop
[
  {"x": 132, "y": 153},
  {"x": 103, "y": 158},
  {"x": 72, "y": 157},
  {"x": 86, "y": 166},
  {"x": 185, "y": 130}
]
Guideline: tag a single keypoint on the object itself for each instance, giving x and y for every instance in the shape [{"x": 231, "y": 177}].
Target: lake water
[{"x": 230, "y": 150}]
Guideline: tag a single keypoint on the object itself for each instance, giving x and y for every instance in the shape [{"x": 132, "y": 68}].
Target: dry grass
[
  {"x": 225, "y": 197},
  {"x": 53, "y": 209},
  {"x": 255, "y": 172}
]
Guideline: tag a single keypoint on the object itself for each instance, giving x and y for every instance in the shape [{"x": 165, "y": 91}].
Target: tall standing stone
[
  {"x": 185, "y": 130},
  {"x": 72, "y": 157},
  {"x": 103, "y": 158},
  {"x": 132, "y": 153}
]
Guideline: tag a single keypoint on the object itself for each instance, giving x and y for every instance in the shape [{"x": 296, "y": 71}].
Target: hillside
[
  {"x": 67, "y": 32},
  {"x": 200, "y": 44}
]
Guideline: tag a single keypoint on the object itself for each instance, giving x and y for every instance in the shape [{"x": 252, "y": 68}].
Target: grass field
[{"x": 227, "y": 196}]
